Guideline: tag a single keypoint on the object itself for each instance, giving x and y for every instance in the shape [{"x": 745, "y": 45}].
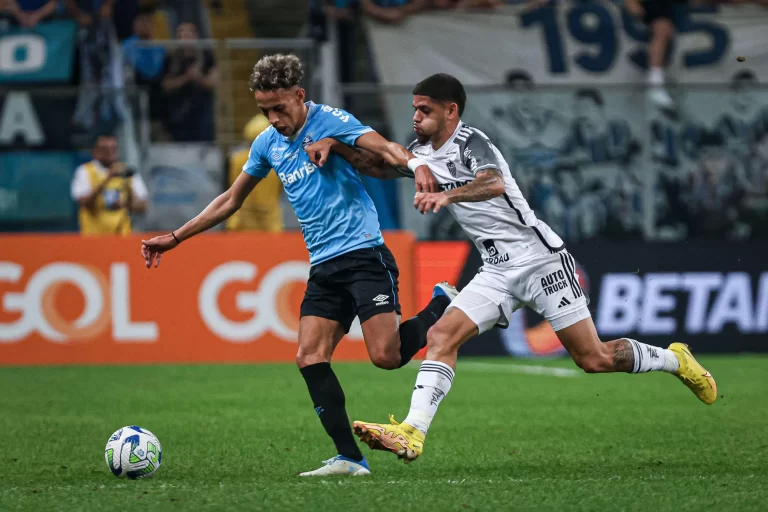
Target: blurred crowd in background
[{"x": 586, "y": 163}]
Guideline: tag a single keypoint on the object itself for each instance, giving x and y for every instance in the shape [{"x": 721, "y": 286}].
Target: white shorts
[{"x": 547, "y": 284}]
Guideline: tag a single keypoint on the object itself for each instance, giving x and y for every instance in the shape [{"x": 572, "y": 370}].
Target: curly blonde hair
[{"x": 273, "y": 72}]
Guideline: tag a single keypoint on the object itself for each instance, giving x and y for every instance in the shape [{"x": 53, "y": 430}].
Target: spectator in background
[
  {"x": 343, "y": 16},
  {"x": 712, "y": 190},
  {"x": 123, "y": 14},
  {"x": 107, "y": 192},
  {"x": 147, "y": 62},
  {"x": 261, "y": 210},
  {"x": 189, "y": 82},
  {"x": 392, "y": 11},
  {"x": 88, "y": 12},
  {"x": 660, "y": 16},
  {"x": 29, "y": 13},
  {"x": 100, "y": 105}
]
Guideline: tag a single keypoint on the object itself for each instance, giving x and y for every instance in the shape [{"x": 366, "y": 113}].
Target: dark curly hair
[{"x": 274, "y": 72}]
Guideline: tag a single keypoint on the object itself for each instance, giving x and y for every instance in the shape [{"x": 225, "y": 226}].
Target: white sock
[
  {"x": 432, "y": 384},
  {"x": 656, "y": 76},
  {"x": 652, "y": 359}
]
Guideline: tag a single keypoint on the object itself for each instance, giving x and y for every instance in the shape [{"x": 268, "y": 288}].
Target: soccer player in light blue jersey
[{"x": 353, "y": 273}]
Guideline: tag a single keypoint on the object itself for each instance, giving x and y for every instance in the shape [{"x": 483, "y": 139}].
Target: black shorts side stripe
[
  {"x": 575, "y": 275},
  {"x": 568, "y": 275}
]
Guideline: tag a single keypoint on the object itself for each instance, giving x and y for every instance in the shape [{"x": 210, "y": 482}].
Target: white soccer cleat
[
  {"x": 340, "y": 465},
  {"x": 445, "y": 289}
]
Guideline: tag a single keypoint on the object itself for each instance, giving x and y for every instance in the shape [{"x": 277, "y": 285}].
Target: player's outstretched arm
[
  {"x": 400, "y": 158},
  {"x": 488, "y": 184},
  {"x": 363, "y": 161},
  {"x": 217, "y": 211}
]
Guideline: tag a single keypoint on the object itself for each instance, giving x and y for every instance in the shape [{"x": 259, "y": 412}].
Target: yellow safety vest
[
  {"x": 101, "y": 220},
  {"x": 261, "y": 209}
]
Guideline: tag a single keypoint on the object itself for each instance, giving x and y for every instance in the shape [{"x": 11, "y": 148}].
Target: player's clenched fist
[
  {"x": 430, "y": 201},
  {"x": 318, "y": 151}
]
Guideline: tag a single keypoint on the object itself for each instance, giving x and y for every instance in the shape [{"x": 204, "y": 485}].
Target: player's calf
[
  {"x": 623, "y": 355},
  {"x": 317, "y": 339},
  {"x": 598, "y": 361}
]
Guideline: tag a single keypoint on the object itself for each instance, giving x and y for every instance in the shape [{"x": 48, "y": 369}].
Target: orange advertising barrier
[{"x": 66, "y": 299}]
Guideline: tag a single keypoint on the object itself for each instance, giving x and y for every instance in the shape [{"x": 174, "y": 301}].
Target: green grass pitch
[{"x": 505, "y": 438}]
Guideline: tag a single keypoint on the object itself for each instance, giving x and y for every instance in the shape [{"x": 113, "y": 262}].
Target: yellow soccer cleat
[
  {"x": 693, "y": 375},
  {"x": 402, "y": 439}
]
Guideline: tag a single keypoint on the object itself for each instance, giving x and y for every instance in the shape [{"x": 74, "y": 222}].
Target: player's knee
[
  {"x": 385, "y": 358},
  {"x": 308, "y": 356}
]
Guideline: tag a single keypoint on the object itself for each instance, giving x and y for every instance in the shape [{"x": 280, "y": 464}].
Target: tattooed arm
[
  {"x": 366, "y": 163},
  {"x": 488, "y": 184}
]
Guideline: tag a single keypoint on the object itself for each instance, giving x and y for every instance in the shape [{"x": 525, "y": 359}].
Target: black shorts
[
  {"x": 360, "y": 283},
  {"x": 673, "y": 10}
]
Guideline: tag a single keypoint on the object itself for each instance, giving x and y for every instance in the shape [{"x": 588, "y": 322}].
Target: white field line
[{"x": 525, "y": 369}]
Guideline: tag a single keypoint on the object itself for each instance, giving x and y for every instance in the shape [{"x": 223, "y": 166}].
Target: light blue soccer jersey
[{"x": 336, "y": 214}]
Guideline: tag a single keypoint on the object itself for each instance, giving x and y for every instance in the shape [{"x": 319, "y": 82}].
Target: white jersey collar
[{"x": 447, "y": 143}]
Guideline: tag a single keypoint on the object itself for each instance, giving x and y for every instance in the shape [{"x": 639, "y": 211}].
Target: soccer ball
[{"x": 134, "y": 452}]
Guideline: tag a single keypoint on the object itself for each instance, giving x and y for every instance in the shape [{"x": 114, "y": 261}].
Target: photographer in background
[
  {"x": 261, "y": 210},
  {"x": 107, "y": 192}
]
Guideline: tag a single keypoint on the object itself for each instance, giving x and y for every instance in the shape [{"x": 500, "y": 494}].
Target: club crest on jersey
[
  {"x": 494, "y": 258},
  {"x": 452, "y": 168},
  {"x": 306, "y": 142}
]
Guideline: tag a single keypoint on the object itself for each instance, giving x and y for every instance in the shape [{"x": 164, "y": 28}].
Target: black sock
[
  {"x": 328, "y": 399},
  {"x": 413, "y": 332}
]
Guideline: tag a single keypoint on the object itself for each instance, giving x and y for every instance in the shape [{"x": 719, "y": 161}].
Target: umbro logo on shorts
[
  {"x": 564, "y": 302},
  {"x": 381, "y": 300}
]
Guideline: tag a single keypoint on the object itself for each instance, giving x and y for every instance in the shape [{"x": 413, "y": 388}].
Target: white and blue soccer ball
[{"x": 134, "y": 452}]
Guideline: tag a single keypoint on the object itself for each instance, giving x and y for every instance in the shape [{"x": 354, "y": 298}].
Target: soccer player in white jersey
[{"x": 526, "y": 264}]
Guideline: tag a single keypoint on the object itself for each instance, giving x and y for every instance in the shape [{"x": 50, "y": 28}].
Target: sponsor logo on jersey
[
  {"x": 494, "y": 257},
  {"x": 470, "y": 160},
  {"x": 451, "y": 168},
  {"x": 335, "y": 112},
  {"x": 276, "y": 155},
  {"x": 381, "y": 300},
  {"x": 453, "y": 184},
  {"x": 554, "y": 282},
  {"x": 292, "y": 177}
]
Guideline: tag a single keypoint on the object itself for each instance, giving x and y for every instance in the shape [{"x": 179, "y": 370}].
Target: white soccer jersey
[{"x": 504, "y": 229}]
